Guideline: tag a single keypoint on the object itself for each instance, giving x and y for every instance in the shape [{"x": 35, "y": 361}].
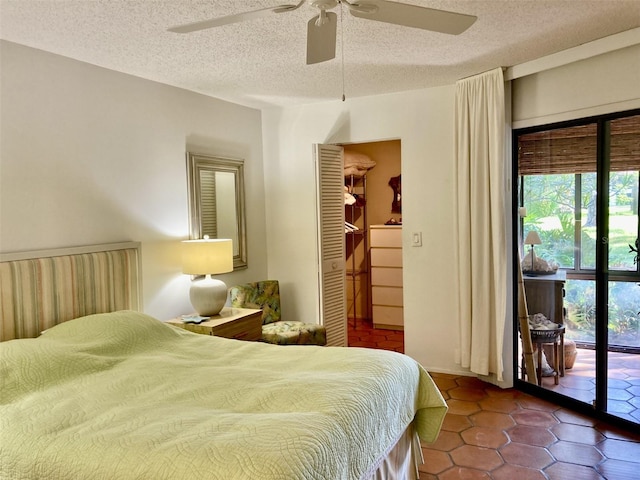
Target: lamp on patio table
[{"x": 533, "y": 239}]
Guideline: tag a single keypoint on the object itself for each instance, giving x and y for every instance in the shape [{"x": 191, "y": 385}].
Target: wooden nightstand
[{"x": 236, "y": 323}]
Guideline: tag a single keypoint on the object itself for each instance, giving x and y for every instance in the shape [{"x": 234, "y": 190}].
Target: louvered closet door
[{"x": 331, "y": 249}]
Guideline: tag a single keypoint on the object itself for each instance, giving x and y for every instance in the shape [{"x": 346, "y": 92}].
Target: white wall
[
  {"x": 423, "y": 121},
  {"x": 92, "y": 156},
  {"x": 599, "y": 85}
]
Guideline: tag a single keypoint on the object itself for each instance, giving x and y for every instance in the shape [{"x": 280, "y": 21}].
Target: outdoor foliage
[
  {"x": 624, "y": 322},
  {"x": 553, "y": 211}
]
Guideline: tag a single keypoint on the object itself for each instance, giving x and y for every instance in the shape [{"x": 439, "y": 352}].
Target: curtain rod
[{"x": 504, "y": 69}]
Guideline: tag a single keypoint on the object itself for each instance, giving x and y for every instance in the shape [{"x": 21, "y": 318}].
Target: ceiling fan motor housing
[{"x": 324, "y": 4}]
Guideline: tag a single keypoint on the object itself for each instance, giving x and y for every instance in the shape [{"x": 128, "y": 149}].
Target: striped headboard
[{"x": 40, "y": 289}]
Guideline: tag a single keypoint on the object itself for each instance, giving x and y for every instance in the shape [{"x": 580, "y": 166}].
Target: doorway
[
  {"x": 578, "y": 185},
  {"x": 374, "y": 302}
]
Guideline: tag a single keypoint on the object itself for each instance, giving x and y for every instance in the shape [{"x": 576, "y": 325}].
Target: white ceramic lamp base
[{"x": 208, "y": 296}]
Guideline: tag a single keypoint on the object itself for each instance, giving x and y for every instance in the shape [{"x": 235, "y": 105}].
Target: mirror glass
[{"x": 216, "y": 201}]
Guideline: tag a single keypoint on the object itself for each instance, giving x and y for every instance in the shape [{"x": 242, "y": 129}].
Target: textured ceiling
[{"x": 262, "y": 62}]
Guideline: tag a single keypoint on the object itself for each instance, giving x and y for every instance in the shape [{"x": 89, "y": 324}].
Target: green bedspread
[{"x": 124, "y": 396}]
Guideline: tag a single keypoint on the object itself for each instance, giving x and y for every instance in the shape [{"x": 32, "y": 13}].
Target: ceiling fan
[{"x": 321, "y": 29}]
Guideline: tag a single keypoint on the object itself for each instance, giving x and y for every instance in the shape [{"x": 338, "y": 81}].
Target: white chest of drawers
[{"x": 386, "y": 276}]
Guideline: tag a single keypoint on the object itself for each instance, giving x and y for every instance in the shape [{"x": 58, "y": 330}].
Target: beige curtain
[{"x": 481, "y": 195}]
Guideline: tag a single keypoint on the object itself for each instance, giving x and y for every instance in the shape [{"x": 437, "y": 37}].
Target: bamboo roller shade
[{"x": 574, "y": 149}]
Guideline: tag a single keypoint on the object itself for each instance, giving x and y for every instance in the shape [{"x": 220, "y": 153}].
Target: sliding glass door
[
  {"x": 578, "y": 187},
  {"x": 620, "y": 295}
]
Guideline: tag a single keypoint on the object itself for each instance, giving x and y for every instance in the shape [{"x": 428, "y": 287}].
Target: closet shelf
[{"x": 357, "y": 241}]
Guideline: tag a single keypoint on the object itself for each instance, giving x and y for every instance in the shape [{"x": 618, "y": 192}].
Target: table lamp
[
  {"x": 207, "y": 257},
  {"x": 533, "y": 239}
]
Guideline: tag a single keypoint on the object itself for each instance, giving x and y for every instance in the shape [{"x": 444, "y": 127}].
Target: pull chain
[{"x": 342, "y": 47}]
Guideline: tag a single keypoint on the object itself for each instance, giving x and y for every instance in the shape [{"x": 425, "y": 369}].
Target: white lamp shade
[
  {"x": 209, "y": 256},
  {"x": 532, "y": 238}
]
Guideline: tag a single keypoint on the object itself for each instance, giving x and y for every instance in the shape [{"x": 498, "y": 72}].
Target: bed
[{"x": 121, "y": 395}]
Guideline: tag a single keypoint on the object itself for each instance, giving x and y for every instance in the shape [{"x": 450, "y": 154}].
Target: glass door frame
[
  {"x": 602, "y": 266},
  {"x": 602, "y": 274}
]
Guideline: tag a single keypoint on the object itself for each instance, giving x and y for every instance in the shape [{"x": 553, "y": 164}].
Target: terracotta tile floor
[
  {"x": 362, "y": 334},
  {"x": 495, "y": 434}
]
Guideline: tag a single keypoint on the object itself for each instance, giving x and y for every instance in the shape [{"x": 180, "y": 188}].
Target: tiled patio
[
  {"x": 504, "y": 434},
  {"x": 623, "y": 399}
]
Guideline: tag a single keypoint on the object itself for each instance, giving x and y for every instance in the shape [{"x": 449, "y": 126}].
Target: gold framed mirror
[{"x": 216, "y": 201}]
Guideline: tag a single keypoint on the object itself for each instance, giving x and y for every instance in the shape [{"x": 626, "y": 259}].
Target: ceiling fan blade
[
  {"x": 321, "y": 37},
  {"x": 412, "y": 16},
  {"x": 236, "y": 18}
]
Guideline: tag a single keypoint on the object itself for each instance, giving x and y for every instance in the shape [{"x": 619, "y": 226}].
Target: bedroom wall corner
[{"x": 423, "y": 121}]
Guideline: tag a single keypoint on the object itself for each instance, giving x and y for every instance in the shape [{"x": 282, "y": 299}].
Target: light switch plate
[{"x": 416, "y": 239}]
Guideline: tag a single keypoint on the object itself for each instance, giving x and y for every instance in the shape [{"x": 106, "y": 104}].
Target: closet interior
[{"x": 373, "y": 231}]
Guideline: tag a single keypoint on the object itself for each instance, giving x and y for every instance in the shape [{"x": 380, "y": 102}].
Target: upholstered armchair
[{"x": 265, "y": 295}]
